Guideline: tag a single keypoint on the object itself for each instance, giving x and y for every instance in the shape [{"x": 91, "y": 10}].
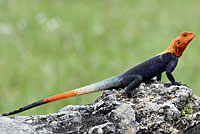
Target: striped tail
[{"x": 102, "y": 85}]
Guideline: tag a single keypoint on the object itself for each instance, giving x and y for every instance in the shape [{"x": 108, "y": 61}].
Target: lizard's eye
[
  {"x": 179, "y": 41},
  {"x": 185, "y": 35}
]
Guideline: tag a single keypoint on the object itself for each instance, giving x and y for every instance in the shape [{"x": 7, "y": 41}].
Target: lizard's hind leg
[{"x": 132, "y": 82}]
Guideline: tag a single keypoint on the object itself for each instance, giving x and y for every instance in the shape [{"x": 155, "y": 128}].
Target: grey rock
[
  {"x": 11, "y": 126},
  {"x": 156, "y": 108}
]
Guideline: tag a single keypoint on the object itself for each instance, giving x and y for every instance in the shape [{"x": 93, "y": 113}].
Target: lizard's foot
[
  {"x": 177, "y": 83},
  {"x": 129, "y": 94}
]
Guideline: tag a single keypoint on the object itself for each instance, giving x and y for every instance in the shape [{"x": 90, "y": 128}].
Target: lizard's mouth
[
  {"x": 186, "y": 42},
  {"x": 192, "y": 37}
]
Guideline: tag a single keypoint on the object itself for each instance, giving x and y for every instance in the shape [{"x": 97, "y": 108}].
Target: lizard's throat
[{"x": 179, "y": 51}]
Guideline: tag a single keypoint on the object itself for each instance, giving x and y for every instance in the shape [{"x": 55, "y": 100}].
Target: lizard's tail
[{"x": 102, "y": 85}]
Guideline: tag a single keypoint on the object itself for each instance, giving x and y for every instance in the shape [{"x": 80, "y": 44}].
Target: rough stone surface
[{"x": 156, "y": 108}]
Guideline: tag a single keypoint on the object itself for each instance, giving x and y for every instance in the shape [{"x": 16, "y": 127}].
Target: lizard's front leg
[{"x": 169, "y": 69}]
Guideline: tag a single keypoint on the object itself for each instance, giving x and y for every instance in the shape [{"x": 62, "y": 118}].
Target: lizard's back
[{"x": 151, "y": 67}]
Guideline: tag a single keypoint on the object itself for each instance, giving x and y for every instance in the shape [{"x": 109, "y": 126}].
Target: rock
[
  {"x": 11, "y": 126},
  {"x": 156, "y": 108}
]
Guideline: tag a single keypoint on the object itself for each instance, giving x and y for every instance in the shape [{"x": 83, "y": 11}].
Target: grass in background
[{"x": 49, "y": 47}]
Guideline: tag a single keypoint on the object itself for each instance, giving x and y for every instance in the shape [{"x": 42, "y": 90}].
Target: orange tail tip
[{"x": 61, "y": 96}]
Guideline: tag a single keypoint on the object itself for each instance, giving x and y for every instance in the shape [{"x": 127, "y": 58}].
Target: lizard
[{"x": 165, "y": 61}]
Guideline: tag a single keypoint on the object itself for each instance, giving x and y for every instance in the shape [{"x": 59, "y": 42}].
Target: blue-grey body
[{"x": 153, "y": 66}]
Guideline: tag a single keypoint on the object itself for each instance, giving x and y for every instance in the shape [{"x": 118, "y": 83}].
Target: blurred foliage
[{"x": 48, "y": 47}]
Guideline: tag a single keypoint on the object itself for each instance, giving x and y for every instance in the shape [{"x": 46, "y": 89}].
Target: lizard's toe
[
  {"x": 129, "y": 94},
  {"x": 177, "y": 83}
]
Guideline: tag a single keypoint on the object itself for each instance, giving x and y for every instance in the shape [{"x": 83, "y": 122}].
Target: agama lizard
[{"x": 131, "y": 79}]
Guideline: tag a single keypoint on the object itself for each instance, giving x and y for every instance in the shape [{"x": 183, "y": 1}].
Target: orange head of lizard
[{"x": 178, "y": 45}]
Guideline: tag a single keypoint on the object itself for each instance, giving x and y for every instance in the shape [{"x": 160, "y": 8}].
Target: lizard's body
[{"x": 143, "y": 72}]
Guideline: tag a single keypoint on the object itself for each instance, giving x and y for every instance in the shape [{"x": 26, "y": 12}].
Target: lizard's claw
[{"x": 177, "y": 83}]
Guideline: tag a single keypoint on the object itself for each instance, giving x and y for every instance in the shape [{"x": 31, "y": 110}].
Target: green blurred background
[{"x": 50, "y": 46}]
